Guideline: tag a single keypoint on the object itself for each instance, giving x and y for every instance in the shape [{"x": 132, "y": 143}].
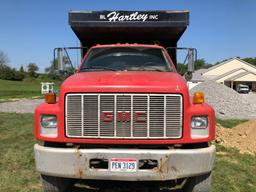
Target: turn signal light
[
  {"x": 50, "y": 98},
  {"x": 198, "y": 98}
]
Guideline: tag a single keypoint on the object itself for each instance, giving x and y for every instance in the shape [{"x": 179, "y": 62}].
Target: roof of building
[
  {"x": 198, "y": 76},
  {"x": 228, "y": 73},
  {"x": 240, "y": 75},
  {"x": 227, "y": 61}
]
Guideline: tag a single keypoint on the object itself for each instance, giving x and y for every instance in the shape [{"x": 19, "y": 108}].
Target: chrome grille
[{"x": 132, "y": 116}]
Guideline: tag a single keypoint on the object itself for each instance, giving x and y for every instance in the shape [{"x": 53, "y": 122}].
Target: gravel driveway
[{"x": 21, "y": 106}]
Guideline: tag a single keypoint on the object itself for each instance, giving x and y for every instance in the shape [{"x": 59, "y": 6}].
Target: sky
[{"x": 31, "y": 29}]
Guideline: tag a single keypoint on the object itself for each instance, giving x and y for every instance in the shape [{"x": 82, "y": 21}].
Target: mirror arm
[{"x": 69, "y": 58}]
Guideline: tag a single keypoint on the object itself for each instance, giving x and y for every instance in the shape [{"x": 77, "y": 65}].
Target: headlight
[
  {"x": 199, "y": 122},
  {"x": 199, "y": 127},
  {"x": 48, "y": 125}
]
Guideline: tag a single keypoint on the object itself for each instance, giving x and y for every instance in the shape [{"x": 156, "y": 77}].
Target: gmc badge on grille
[{"x": 123, "y": 116}]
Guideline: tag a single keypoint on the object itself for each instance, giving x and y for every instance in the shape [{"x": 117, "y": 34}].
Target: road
[{"x": 21, "y": 106}]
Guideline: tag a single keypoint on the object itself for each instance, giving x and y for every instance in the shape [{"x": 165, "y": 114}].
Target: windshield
[{"x": 126, "y": 59}]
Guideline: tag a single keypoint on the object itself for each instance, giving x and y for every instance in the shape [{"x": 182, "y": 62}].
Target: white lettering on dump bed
[{"x": 115, "y": 16}]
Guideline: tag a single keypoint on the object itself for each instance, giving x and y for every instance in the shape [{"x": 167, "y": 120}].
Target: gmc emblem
[{"x": 123, "y": 116}]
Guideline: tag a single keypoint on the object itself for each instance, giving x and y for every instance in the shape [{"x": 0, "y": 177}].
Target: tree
[
  {"x": 32, "y": 68},
  {"x": 22, "y": 69},
  {"x": 8, "y": 73},
  {"x": 3, "y": 59},
  {"x": 199, "y": 64},
  {"x": 250, "y": 60},
  {"x": 52, "y": 68},
  {"x": 18, "y": 76},
  {"x": 181, "y": 68}
]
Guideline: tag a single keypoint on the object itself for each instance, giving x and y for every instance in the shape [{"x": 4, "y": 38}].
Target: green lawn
[
  {"x": 17, "y": 170},
  {"x": 27, "y": 88},
  {"x": 230, "y": 123},
  {"x": 234, "y": 172}
]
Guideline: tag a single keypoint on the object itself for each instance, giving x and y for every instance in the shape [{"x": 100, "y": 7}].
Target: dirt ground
[{"x": 242, "y": 137}]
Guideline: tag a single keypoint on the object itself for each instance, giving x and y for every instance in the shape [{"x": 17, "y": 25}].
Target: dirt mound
[{"x": 242, "y": 137}]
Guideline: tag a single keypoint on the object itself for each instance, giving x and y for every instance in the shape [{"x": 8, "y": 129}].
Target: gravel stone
[
  {"x": 227, "y": 102},
  {"x": 21, "y": 106}
]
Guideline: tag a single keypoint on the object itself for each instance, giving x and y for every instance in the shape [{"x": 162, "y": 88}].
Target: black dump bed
[{"x": 148, "y": 27}]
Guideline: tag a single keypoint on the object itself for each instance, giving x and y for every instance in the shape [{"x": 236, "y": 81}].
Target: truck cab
[{"x": 126, "y": 114}]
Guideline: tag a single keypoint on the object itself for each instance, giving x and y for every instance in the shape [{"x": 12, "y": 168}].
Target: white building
[{"x": 231, "y": 73}]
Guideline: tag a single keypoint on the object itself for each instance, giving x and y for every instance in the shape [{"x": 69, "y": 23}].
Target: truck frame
[{"x": 126, "y": 125}]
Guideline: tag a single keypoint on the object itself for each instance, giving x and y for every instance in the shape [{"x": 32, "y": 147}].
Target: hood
[{"x": 149, "y": 82}]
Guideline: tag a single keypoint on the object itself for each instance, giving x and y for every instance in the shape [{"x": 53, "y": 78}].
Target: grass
[
  {"x": 230, "y": 123},
  {"x": 19, "y": 89},
  {"x": 17, "y": 169},
  {"x": 27, "y": 88},
  {"x": 234, "y": 172}
]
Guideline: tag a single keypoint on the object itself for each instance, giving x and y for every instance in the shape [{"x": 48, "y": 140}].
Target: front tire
[
  {"x": 55, "y": 184},
  {"x": 200, "y": 183}
]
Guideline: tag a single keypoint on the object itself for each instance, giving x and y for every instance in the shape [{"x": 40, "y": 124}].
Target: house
[{"x": 230, "y": 73}]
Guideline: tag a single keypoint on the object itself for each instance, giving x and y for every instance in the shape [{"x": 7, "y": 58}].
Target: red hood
[{"x": 149, "y": 82}]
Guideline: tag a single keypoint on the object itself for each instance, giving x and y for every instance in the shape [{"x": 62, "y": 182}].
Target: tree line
[
  {"x": 8, "y": 73},
  {"x": 199, "y": 64}
]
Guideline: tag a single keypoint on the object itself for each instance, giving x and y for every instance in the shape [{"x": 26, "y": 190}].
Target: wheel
[
  {"x": 200, "y": 183},
  {"x": 55, "y": 184}
]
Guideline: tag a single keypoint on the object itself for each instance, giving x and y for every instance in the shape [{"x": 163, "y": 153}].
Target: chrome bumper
[{"x": 172, "y": 163}]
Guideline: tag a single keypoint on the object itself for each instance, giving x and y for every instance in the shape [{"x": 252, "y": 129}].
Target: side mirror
[
  {"x": 191, "y": 64},
  {"x": 191, "y": 60},
  {"x": 63, "y": 60},
  {"x": 191, "y": 56},
  {"x": 60, "y": 59}
]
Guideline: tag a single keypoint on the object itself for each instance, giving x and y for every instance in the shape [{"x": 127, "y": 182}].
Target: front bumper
[{"x": 172, "y": 163}]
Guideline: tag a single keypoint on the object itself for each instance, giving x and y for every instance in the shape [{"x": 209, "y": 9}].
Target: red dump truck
[{"x": 126, "y": 114}]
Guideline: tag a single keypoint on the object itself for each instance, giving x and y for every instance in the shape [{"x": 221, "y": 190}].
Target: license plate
[{"x": 123, "y": 165}]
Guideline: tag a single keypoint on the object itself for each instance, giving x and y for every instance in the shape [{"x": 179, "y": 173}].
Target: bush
[
  {"x": 18, "y": 76},
  {"x": 6, "y": 73},
  {"x": 32, "y": 68}
]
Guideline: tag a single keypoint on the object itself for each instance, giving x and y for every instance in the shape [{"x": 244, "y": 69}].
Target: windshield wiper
[
  {"x": 152, "y": 68},
  {"x": 98, "y": 69},
  {"x": 158, "y": 70}
]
